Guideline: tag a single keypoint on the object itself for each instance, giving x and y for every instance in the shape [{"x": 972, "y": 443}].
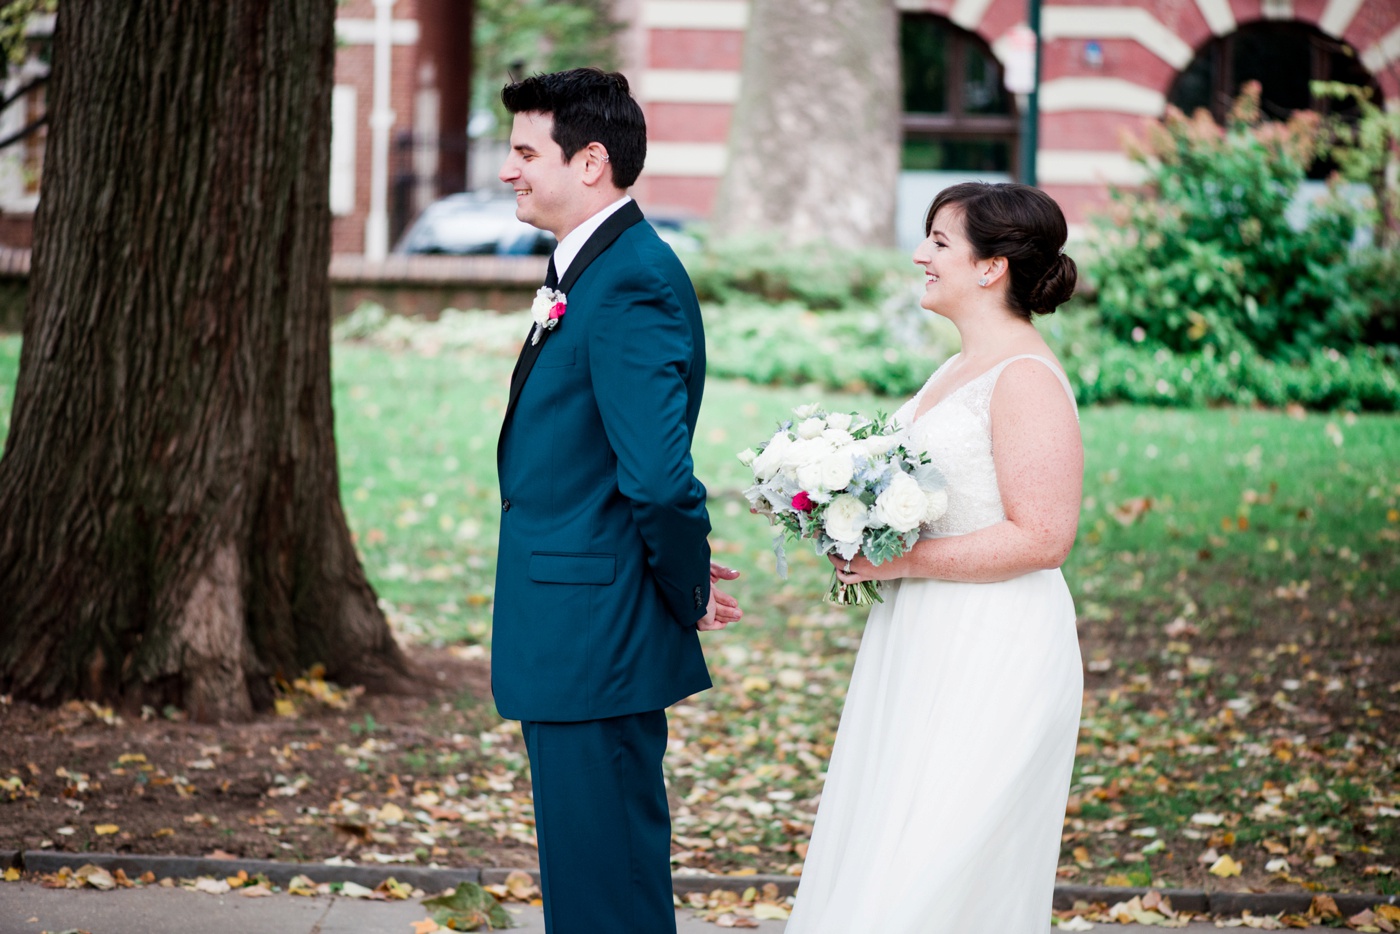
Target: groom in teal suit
[{"x": 603, "y": 578}]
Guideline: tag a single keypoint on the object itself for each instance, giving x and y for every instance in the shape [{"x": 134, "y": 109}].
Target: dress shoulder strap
[{"x": 1064, "y": 381}]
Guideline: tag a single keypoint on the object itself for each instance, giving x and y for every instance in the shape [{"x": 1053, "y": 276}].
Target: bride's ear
[{"x": 993, "y": 270}]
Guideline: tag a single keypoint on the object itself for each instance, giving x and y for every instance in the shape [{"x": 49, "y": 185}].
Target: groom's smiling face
[{"x": 549, "y": 191}]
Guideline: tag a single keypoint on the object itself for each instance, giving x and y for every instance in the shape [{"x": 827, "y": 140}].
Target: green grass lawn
[{"x": 1235, "y": 573}]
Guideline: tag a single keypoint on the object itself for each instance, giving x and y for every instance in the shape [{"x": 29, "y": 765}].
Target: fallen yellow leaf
[
  {"x": 391, "y": 813},
  {"x": 12, "y": 874},
  {"x": 521, "y": 886},
  {"x": 767, "y": 911},
  {"x": 1224, "y": 867},
  {"x": 426, "y": 926},
  {"x": 105, "y": 830},
  {"x": 284, "y": 707},
  {"x": 95, "y": 876}
]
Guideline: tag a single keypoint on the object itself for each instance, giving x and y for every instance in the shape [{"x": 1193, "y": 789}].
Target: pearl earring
[{"x": 982, "y": 282}]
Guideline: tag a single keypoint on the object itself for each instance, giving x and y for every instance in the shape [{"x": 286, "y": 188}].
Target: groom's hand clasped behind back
[{"x": 722, "y": 609}]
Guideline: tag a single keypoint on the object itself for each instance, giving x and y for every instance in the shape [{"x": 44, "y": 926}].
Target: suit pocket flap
[
  {"x": 554, "y": 357},
  {"x": 554, "y": 568}
]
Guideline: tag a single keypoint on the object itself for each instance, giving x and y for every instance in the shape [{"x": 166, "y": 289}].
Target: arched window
[
  {"x": 958, "y": 115},
  {"x": 1284, "y": 57}
]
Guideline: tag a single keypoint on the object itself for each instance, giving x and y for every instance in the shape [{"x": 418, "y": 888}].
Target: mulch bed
[{"x": 310, "y": 784}]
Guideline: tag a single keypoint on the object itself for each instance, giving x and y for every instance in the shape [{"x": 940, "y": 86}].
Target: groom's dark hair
[{"x": 588, "y": 105}]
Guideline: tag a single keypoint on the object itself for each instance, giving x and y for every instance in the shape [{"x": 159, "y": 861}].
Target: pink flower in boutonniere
[
  {"x": 802, "y": 502},
  {"x": 547, "y": 308}
]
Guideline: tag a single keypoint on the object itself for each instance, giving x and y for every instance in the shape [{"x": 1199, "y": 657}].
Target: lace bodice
[{"x": 957, "y": 433}]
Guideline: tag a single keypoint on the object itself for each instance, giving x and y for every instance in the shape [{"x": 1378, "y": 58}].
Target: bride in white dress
[{"x": 945, "y": 796}]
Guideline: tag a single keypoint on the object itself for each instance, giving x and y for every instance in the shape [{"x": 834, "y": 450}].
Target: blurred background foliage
[
  {"x": 1215, "y": 283},
  {"x": 515, "y": 38}
]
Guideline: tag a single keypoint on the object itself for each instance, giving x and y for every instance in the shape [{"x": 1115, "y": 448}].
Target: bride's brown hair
[{"x": 1026, "y": 226}]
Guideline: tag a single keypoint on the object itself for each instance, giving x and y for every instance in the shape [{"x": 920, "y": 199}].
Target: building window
[
  {"x": 957, "y": 113},
  {"x": 1285, "y": 58}
]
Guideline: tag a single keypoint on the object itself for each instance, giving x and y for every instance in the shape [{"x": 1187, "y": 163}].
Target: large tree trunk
[
  {"x": 170, "y": 521},
  {"x": 814, "y": 146}
]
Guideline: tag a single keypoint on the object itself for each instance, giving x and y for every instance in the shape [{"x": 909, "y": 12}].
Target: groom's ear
[{"x": 595, "y": 164}]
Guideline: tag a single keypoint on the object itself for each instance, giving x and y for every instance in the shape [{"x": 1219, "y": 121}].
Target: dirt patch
[{"x": 433, "y": 778}]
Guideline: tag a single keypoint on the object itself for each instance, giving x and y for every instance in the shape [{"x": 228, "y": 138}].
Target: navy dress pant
[{"x": 603, "y": 824}]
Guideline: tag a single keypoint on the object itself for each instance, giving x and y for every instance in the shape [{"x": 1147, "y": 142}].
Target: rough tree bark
[
  {"x": 170, "y": 521},
  {"x": 814, "y": 145}
]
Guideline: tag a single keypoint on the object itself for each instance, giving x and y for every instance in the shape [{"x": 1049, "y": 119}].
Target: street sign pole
[
  {"x": 1021, "y": 75},
  {"x": 1030, "y": 119}
]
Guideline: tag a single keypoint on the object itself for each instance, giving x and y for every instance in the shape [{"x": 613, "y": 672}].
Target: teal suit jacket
[{"x": 603, "y": 566}]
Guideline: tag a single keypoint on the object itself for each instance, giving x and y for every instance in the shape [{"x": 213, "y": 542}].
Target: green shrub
[
  {"x": 1205, "y": 256},
  {"x": 1363, "y": 379},
  {"x": 815, "y": 275},
  {"x": 891, "y": 350},
  {"x": 1376, "y": 274}
]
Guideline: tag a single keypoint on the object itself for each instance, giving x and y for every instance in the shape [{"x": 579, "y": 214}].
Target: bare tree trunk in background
[
  {"x": 170, "y": 519},
  {"x": 814, "y": 147}
]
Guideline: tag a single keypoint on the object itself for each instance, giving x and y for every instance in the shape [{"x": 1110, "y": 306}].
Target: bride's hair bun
[
  {"x": 1026, "y": 226},
  {"x": 1056, "y": 286}
]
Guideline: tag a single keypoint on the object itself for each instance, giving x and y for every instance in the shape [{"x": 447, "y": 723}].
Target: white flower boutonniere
[{"x": 547, "y": 308}]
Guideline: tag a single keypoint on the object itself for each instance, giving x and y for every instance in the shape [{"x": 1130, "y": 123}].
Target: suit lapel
[{"x": 608, "y": 232}]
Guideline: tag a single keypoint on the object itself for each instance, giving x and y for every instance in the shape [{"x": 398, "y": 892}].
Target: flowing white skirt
[{"x": 945, "y": 796}]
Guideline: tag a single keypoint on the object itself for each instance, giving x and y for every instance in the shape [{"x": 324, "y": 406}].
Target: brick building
[
  {"x": 416, "y": 130},
  {"x": 1105, "y": 65},
  {"x": 391, "y": 155}
]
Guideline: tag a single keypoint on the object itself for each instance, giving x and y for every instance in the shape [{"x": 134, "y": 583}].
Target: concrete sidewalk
[{"x": 27, "y": 908}]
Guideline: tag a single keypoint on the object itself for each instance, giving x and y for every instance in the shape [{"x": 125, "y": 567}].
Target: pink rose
[
  {"x": 557, "y": 311},
  {"x": 802, "y": 502}
]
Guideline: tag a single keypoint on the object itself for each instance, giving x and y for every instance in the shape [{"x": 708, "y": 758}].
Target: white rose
[
  {"x": 808, "y": 410},
  {"x": 838, "y": 436},
  {"x": 936, "y": 504},
  {"x": 768, "y": 463},
  {"x": 837, "y": 470},
  {"x": 804, "y": 451},
  {"x": 841, "y": 420},
  {"x": 879, "y": 445},
  {"x": 811, "y": 428},
  {"x": 746, "y": 456},
  {"x": 902, "y": 505},
  {"x": 845, "y": 519},
  {"x": 829, "y": 472},
  {"x": 809, "y": 476}
]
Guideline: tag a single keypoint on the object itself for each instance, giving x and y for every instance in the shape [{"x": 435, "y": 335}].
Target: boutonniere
[{"x": 547, "y": 308}]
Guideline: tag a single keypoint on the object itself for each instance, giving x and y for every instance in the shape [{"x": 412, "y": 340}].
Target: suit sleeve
[{"x": 641, "y": 350}]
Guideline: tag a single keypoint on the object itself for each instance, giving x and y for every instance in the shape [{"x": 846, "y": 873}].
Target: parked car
[
  {"x": 472, "y": 224},
  {"x": 475, "y": 223}
]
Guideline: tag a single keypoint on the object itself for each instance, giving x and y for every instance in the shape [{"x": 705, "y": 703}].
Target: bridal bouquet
[{"x": 849, "y": 484}]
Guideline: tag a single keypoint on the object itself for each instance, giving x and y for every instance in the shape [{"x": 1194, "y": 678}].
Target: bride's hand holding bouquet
[{"x": 850, "y": 484}]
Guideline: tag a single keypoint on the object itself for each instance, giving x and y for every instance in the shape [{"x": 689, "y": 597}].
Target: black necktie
[{"x": 551, "y": 278}]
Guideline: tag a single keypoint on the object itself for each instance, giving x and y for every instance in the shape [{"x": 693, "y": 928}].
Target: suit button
[{"x": 505, "y": 505}]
